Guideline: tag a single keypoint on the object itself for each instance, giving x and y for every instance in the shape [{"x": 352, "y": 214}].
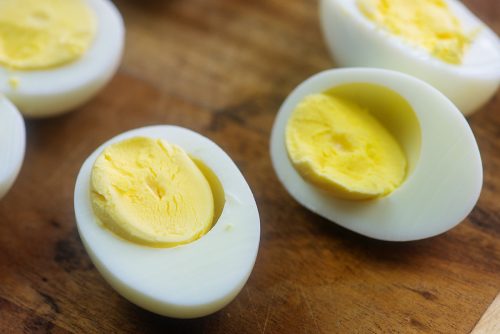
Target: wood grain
[
  {"x": 223, "y": 68},
  {"x": 490, "y": 321}
]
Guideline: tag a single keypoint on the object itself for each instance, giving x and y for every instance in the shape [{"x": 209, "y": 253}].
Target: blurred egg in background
[{"x": 441, "y": 42}]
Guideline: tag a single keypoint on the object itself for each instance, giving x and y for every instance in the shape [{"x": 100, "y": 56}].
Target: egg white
[
  {"x": 441, "y": 188},
  {"x": 12, "y": 144},
  {"x": 354, "y": 40},
  {"x": 186, "y": 281},
  {"x": 49, "y": 92}
]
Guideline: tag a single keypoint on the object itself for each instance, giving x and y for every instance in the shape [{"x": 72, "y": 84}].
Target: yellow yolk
[
  {"x": 425, "y": 23},
  {"x": 40, "y": 34},
  {"x": 150, "y": 192},
  {"x": 341, "y": 148}
]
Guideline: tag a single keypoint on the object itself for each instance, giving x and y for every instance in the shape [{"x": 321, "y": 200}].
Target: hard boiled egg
[
  {"x": 12, "y": 144},
  {"x": 57, "y": 88},
  {"x": 444, "y": 171},
  {"x": 356, "y": 40},
  {"x": 188, "y": 280}
]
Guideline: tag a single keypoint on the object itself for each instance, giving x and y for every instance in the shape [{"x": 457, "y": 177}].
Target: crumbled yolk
[
  {"x": 428, "y": 24},
  {"x": 40, "y": 34},
  {"x": 13, "y": 82},
  {"x": 340, "y": 147},
  {"x": 150, "y": 192}
]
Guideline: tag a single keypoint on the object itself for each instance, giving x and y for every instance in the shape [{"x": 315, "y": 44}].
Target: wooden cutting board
[{"x": 222, "y": 68}]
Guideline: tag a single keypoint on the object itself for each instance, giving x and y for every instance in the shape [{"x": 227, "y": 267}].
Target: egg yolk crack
[
  {"x": 151, "y": 192},
  {"x": 429, "y": 24},
  {"x": 340, "y": 147},
  {"x": 36, "y": 34}
]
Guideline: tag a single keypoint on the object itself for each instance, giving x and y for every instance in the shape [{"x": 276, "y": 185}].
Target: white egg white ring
[
  {"x": 12, "y": 144},
  {"x": 354, "y": 40},
  {"x": 187, "y": 281},
  {"x": 437, "y": 195},
  {"x": 48, "y": 92}
]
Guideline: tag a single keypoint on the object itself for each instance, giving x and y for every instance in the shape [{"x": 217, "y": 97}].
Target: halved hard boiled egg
[
  {"x": 142, "y": 201},
  {"x": 12, "y": 144},
  {"x": 342, "y": 158},
  {"x": 55, "y": 55},
  {"x": 440, "y": 42}
]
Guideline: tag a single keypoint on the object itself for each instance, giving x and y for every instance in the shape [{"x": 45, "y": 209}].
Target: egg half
[
  {"x": 52, "y": 91},
  {"x": 354, "y": 40},
  {"x": 190, "y": 280},
  {"x": 12, "y": 144},
  {"x": 444, "y": 172}
]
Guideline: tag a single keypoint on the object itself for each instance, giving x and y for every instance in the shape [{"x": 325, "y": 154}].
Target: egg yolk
[
  {"x": 425, "y": 23},
  {"x": 36, "y": 34},
  {"x": 340, "y": 147},
  {"x": 151, "y": 192}
]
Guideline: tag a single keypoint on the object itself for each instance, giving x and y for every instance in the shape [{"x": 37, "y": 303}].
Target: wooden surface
[
  {"x": 222, "y": 68},
  {"x": 489, "y": 322}
]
